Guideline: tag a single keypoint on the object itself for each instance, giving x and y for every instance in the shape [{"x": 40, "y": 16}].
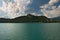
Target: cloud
[
  {"x": 52, "y": 2},
  {"x": 50, "y": 10},
  {"x": 15, "y": 9}
]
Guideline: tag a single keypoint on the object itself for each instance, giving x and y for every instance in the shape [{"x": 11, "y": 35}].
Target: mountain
[
  {"x": 56, "y": 18},
  {"x": 29, "y": 19}
]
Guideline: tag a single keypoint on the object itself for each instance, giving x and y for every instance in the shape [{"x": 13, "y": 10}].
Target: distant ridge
[
  {"x": 56, "y": 18},
  {"x": 29, "y": 19}
]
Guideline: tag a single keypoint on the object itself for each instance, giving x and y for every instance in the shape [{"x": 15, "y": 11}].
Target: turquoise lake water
[{"x": 29, "y": 31}]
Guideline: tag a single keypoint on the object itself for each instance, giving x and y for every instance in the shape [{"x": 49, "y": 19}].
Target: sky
[{"x": 15, "y": 8}]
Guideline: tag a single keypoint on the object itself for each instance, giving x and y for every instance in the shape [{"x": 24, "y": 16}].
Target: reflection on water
[
  {"x": 29, "y": 31},
  {"x": 12, "y": 32}
]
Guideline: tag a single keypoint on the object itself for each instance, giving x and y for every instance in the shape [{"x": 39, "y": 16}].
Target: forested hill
[{"x": 29, "y": 19}]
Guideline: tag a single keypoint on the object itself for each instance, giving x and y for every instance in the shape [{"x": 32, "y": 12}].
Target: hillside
[{"x": 28, "y": 19}]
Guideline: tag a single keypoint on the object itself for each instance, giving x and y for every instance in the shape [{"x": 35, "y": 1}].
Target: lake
[{"x": 29, "y": 31}]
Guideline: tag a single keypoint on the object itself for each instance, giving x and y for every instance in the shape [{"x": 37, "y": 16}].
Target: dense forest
[{"x": 29, "y": 19}]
